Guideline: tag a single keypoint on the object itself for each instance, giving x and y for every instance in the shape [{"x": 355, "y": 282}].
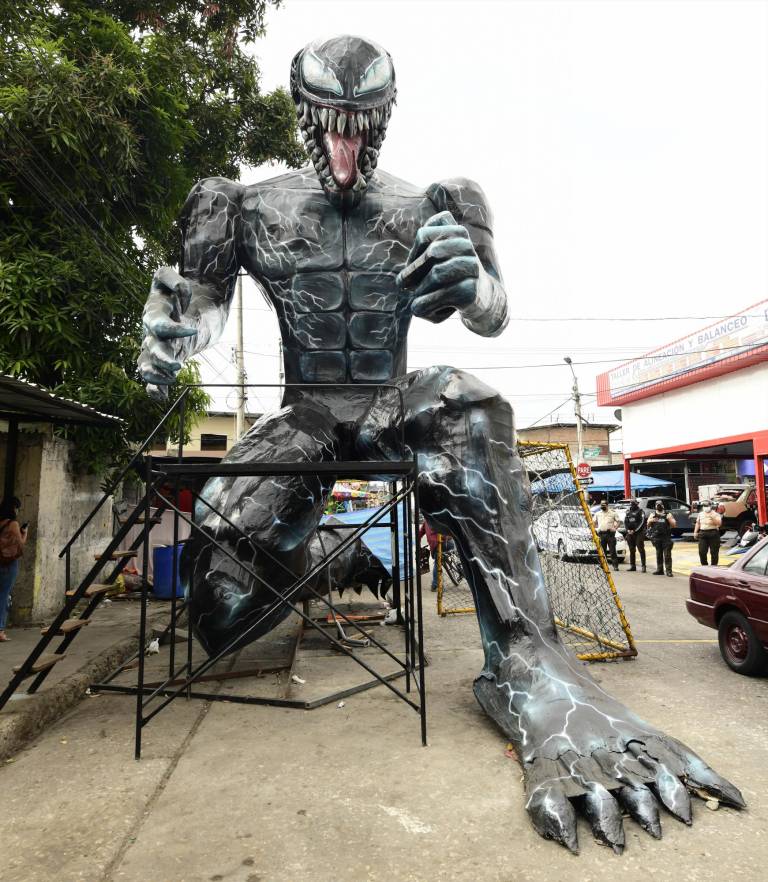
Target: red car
[{"x": 735, "y": 601}]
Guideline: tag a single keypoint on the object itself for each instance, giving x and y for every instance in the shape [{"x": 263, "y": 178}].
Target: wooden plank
[
  {"x": 118, "y": 555},
  {"x": 68, "y": 626},
  {"x": 93, "y": 590},
  {"x": 42, "y": 664}
]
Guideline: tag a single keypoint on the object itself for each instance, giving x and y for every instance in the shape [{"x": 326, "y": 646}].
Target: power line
[
  {"x": 515, "y": 367},
  {"x": 562, "y": 404},
  {"x": 625, "y": 318}
]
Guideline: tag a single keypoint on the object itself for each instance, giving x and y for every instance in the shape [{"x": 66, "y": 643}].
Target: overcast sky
[{"x": 622, "y": 146}]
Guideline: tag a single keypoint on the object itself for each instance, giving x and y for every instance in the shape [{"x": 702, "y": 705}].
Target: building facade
[
  {"x": 700, "y": 399},
  {"x": 596, "y": 438}
]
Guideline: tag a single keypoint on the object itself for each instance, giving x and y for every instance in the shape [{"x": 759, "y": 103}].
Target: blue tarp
[
  {"x": 378, "y": 540},
  {"x": 605, "y": 482}
]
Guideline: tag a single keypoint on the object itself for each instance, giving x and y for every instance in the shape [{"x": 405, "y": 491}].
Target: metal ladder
[{"x": 65, "y": 625}]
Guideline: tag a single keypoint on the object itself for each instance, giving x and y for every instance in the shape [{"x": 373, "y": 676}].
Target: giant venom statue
[{"x": 348, "y": 254}]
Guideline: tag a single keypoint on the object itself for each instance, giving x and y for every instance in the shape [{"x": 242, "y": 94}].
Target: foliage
[{"x": 110, "y": 110}]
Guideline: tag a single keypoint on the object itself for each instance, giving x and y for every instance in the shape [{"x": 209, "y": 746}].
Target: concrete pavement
[
  {"x": 258, "y": 794},
  {"x": 109, "y": 638}
]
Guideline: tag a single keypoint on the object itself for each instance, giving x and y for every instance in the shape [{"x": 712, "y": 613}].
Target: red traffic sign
[{"x": 584, "y": 470}]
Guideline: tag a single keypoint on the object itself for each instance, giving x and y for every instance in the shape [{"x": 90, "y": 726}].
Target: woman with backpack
[{"x": 13, "y": 538}]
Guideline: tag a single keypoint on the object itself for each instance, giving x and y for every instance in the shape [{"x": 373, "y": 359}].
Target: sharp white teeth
[
  {"x": 315, "y": 116},
  {"x": 341, "y": 122},
  {"x": 324, "y": 118},
  {"x": 307, "y": 114},
  {"x": 360, "y": 120},
  {"x": 352, "y": 119},
  {"x": 331, "y": 120},
  {"x": 366, "y": 121}
]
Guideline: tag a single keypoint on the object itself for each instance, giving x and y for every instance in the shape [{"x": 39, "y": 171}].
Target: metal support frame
[{"x": 402, "y": 475}]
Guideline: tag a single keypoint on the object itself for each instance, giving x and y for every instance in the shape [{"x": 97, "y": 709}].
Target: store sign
[
  {"x": 731, "y": 337},
  {"x": 583, "y": 470},
  {"x": 592, "y": 452}
]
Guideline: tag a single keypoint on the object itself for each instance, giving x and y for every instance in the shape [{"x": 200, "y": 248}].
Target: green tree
[{"x": 110, "y": 110}]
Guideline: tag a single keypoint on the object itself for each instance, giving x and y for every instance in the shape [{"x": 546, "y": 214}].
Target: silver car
[{"x": 566, "y": 533}]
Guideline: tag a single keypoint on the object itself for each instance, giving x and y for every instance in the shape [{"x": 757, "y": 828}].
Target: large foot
[{"x": 583, "y": 751}]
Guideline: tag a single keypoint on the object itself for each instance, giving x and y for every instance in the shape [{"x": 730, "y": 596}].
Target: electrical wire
[
  {"x": 626, "y": 318},
  {"x": 515, "y": 367}
]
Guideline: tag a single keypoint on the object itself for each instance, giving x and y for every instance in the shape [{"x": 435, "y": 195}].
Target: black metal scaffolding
[{"x": 152, "y": 698}]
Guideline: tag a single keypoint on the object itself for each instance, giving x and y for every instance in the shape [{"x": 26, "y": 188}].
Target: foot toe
[
  {"x": 668, "y": 787},
  {"x": 553, "y": 816},
  {"x": 642, "y": 806},
  {"x": 604, "y": 816},
  {"x": 698, "y": 774}
]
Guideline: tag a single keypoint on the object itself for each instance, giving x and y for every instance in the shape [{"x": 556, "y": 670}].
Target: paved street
[{"x": 343, "y": 794}]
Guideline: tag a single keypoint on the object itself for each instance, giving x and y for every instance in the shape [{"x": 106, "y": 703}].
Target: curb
[{"x": 35, "y": 714}]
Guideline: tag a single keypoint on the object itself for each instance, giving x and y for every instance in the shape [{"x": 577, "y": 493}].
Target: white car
[{"x": 566, "y": 533}]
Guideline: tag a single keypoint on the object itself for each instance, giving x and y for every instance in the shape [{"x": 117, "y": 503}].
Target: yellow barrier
[{"x": 587, "y": 608}]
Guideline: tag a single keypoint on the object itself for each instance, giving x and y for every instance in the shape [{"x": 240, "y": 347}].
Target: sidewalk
[
  {"x": 685, "y": 557},
  {"x": 111, "y": 637},
  {"x": 346, "y": 793}
]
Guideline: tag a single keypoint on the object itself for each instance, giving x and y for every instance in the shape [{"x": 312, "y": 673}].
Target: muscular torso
[{"x": 330, "y": 274}]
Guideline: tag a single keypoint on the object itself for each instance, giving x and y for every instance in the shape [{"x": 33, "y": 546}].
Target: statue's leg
[
  {"x": 278, "y": 515},
  {"x": 578, "y": 746}
]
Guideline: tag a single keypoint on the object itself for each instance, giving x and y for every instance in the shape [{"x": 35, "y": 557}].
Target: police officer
[
  {"x": 660, "y": 526},
  {"x": 634, "y": 523},
  {"x": 707, "y": 531},
  {"x": 607, "y": 522}
]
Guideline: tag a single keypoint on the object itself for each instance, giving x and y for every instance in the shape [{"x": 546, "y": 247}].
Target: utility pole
[
  {"x": 240, "y": 362},
  {"x": 577, "y": 410}
]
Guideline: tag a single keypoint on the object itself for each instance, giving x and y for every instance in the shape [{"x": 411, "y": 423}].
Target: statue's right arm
[{"x": 187, "y": 309}]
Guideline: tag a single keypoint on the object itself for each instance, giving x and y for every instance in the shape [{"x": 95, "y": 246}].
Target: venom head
[{"x": 344, "y": 89}]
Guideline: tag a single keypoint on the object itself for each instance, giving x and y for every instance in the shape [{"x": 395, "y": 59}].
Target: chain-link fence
[{"x": 584, "y": 599}]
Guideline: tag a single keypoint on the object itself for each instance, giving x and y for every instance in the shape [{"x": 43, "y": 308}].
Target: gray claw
[
  {"x": 553, "y": 817},
  {"x": 673, "y": 794},
  {"x": 157, "y": 392},
  {"x": 604, "y": 815},
  {"x": 699, "y": 774},
  {"x": 642, "y": 807}
]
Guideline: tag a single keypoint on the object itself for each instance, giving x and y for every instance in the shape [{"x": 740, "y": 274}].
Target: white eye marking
[
  {"x": 318, "y": 74},
  {"x": 377, "y": 75}
]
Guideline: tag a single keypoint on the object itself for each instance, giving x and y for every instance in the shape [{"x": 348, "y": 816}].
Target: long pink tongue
[{"x": 342, "y": 152}]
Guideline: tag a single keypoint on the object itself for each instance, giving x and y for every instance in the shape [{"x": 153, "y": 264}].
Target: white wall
[
  {"x": 732, "y": 404},
  {"x": 55, "y": 500}
]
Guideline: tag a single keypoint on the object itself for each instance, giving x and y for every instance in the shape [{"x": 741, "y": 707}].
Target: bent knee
[{"x": 459, "y": 388}]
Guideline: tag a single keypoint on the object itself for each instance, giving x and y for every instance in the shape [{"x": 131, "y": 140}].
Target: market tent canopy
[
  {"x": 377, "y": 540},
  {"x": 29, "y": 403},
  {"x": 605, "y": 482}
]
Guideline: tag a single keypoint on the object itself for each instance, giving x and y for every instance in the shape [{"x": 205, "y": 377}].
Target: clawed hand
[
  {"x": 442, "y": 271},
  {"x": 162, "y": 350}
]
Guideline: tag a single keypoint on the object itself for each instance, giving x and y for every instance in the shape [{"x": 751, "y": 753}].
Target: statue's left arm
[{"x": 452, "y": 265}]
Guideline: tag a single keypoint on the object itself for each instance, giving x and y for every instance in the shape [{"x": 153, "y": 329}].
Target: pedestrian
[
  {"x": 607, "y": 524},
  {"x": 707, "y": 531},
  {"x": 634, "y": 523},
  {"x": 659, "y": 531},
  {"x": 13, "y": 538},
  {"x": 432, "y": 541}
]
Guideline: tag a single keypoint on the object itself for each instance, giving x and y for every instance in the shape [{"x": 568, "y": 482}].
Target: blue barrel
[{"x": 162, "y": 563}]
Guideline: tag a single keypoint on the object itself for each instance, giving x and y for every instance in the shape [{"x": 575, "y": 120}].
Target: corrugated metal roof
[{"x": 32, "y": 403}]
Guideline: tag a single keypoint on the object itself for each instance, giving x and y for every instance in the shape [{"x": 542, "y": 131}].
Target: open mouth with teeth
[{"x": 343, "y": 144}]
